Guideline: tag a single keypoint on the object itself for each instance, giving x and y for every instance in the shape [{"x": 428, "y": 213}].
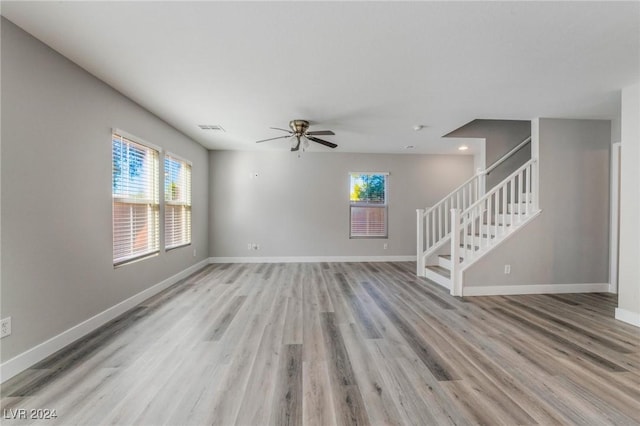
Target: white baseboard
[
  {"x": 36, "y": 354},
  {"x": 508, "y": 290},
  {"x": 629, "y": 317},
  {"x": 311, "y": 259}
]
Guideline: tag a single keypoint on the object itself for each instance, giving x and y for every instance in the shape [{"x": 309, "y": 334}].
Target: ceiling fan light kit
[{"x": 300, "y": 131}]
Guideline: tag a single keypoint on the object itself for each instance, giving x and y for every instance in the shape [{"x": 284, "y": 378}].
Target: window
[
  {"x": 135, "y": 199},
  {"x": 177, "y": 202},
  {"x": 368, "y": 209}
]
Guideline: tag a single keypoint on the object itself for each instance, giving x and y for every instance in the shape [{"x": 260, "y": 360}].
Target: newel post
[
  {"x": 456, "y": 289},
  {"x": 420, "y": 242},
  {"x": 535, "y": 185}
]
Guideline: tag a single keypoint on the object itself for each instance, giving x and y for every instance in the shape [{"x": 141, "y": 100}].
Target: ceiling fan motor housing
[{"x": 299, "y": 127}]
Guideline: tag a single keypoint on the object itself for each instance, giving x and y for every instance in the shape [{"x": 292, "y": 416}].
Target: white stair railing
[
  {"x": 491, "y": 218},
  {"x": 434, "y": 223}
]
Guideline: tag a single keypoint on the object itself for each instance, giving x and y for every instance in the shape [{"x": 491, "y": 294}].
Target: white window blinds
[
  {"x": 177, "y": 198},
  {"x": 368, "y": 205},
  {"x": 135, "y": 200}
]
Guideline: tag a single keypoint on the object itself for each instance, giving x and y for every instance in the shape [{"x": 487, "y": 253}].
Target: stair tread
[
  {"x": 439, "y": 270},
  {"x": 469, "y": 246},
  {"x": 448, "y": 257}
]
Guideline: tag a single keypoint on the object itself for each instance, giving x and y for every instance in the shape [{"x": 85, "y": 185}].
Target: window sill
[
  {"x": 177, "y": 247},
  {"x": 135, "y": 259}
]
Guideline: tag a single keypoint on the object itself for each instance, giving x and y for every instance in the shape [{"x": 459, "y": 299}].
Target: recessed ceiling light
[
  {"x": 463, "y": 148},
  {"x": 211, "y": 127}
]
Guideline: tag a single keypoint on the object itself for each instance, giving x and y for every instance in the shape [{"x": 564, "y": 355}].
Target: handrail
[
  {"x": 466, "y": 182},
  {"x": 507, "y": 155},
  {"x": 483, "y": 172},
  {"x": 498, "y": 187}
]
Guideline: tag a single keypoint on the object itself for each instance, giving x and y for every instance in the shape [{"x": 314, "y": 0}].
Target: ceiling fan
[{"x": 300, "y": 130}]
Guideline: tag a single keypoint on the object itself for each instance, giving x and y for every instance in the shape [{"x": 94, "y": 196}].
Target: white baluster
[
  {"x": 520, "y": 176},
  {"x": 503, "y": 192},
  {"x": 489, "y": 210},
  {"x": 496, "y": 207},
  {"x": 439, "y": 223},
  {"x": 512, "y": 198},
  {"x": 474, "y": 213},
  {"x": 446, "y": 216}
]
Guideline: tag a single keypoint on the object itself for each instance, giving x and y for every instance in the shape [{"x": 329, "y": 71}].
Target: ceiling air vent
[{"x": 211, "y": 127}]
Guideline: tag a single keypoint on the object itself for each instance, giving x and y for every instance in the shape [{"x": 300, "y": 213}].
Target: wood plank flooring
[{"x": 340, "y": 344}]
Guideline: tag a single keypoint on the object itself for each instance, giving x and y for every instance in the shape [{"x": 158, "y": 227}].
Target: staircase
[{"x": 469, "y": 222}]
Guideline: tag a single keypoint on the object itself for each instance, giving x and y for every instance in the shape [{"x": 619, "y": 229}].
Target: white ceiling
[{"x": 370, "y": 71}]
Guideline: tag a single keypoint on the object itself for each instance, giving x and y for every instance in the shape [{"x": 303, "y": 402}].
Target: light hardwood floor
[{"x": 338, "y": 344}]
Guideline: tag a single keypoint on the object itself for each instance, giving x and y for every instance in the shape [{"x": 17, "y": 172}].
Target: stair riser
[
  {"x": 437, "y": 278},
  {"x": 478, "y": 241},
  {"x": 445, "y": 263},
  {"x": 491, "y": 229},
  {"x": 503, "y": 219},
  {"x": 519, "y": 208},
  {"x": 506, "y": 218}
]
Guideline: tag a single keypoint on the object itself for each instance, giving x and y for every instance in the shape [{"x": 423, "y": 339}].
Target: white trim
[
  {"x": 39, "y": 352},
  {"x": 177, "y": 157},
  {"x": 311, "y": 259},
  {"x": 369, "y": 173},
  {"x": 136, "y": 139},
  {"x": 614, "y": 217},
  {"x": 629, "y": 317},
  {"x": 505, "y": 290}
]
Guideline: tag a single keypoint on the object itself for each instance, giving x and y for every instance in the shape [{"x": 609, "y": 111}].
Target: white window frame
[
  {"x": 186, "y": 204},
  {"x": 152, "y": 201},
  {"x": 384, "y": 206}
]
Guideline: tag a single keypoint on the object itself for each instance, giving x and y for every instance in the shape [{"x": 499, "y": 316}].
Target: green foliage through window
[{"x": 368, "y": 188}]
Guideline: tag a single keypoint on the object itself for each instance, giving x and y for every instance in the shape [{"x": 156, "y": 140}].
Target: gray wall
[
  {"x": 500, "y": 137},
  {"x": 300, "y": 206},
  {"x": 569, "y": 242},
  {"x": 56, "y": 194},
  {"x": 629, "y": 265}
]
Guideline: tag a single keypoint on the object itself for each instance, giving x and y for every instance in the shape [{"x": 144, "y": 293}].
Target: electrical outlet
[
  {"x": 249, "y": 246},
  {"x": 385, "y": 246},
  {"x": 507, "y": 269},
  {"x": 194, "y": 252},
  {"x": 5, "y": 327}
]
